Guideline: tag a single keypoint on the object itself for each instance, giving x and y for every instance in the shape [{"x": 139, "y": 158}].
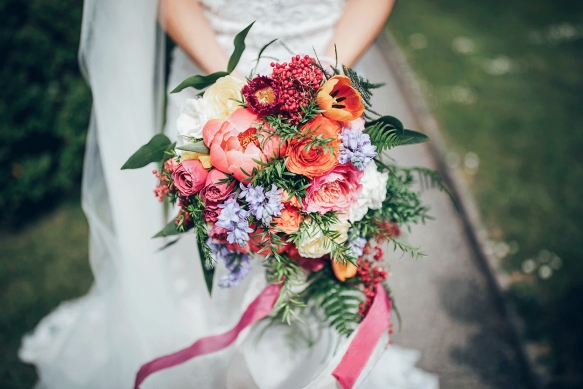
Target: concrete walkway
[{"x": 450, "y": 311}]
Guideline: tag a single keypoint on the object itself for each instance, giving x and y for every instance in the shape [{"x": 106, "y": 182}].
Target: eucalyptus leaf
[
  {"x": 199, "y": 82},
  {"x": 168, "y": 230},
  {"x": 153, "y": 151},
  {"x": 198, "y": 147},
  {"x": 239, "y": 42},
  {"x": 410, "y": 137}
]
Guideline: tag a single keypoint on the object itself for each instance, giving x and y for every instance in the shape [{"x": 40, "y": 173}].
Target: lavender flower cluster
[
  {"x": 356, "y": 244},
  {"x": 357, "y": 148},
  {"x": 236, "y": 263},
  {"x": 263, "y": 205},
  {"x": 234, "y": 219}
]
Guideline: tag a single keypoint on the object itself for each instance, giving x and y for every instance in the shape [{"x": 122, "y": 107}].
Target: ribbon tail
[
  {"x": 363, "y": 344},
  {"x": 257, "y": 310}
]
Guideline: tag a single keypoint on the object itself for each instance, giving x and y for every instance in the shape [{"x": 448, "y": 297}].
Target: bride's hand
[
  {"x": 190, "y": 29},
  {"x": 370, "y": 17}
]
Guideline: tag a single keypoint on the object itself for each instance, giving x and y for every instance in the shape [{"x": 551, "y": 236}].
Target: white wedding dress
[{"x": 146, "y": 302}]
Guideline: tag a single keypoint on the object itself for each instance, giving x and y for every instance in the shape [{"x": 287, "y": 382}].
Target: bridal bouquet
[{"x": 284, "y": 170}]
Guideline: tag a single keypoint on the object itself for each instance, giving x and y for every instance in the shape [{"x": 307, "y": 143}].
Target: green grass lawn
[
  {"x": 40, "y": 266},
  {"x": 505, "y": 81}
]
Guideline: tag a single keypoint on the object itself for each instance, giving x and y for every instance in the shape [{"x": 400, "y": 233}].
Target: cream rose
[
  {"x": 313, "y": 244},
  {"x": 219, "y": 97},
  {"x": 374, "y": 192}
]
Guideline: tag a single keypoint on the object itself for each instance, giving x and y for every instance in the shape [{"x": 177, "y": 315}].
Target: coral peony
[
  {"x": 339, "y": 100},
  {"x": 336, "y": 190},
  {"x": 189, "y": 177},
  {"x": 313, "y": 161},
  {"x": 234, "y": 143}
]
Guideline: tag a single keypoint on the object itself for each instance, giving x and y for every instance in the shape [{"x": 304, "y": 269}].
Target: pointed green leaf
[
  {"x": 168, "y": 230},
  {"x": 153, "y": 151},
  {"x": 208, "y": 273},
  {"x": 410, "y": 137},
  {"x": 199, "y": 82},
  {"x": 239, "y": 42},
  {"x": 389, "y": 120},
  {"x": 198, "y": 147}
]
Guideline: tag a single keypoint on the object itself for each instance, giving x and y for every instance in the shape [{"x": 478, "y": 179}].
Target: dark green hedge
[{"x": 44, "y": 105}]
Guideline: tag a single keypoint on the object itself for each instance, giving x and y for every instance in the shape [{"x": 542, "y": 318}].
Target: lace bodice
[{"x": 300, "y": 26}]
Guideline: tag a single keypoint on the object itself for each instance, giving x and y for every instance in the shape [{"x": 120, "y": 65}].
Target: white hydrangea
[
  {"x": 193, "y": 116},
  {"x": 374, "y": 192}
]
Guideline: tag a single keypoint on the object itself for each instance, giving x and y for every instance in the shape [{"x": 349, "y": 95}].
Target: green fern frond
[
  {"x": 383, "y": 136},
  {"x": 339, "y": 301}
]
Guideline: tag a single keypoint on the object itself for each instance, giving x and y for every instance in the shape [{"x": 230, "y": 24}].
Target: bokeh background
[{"x": 503, "y": 78}]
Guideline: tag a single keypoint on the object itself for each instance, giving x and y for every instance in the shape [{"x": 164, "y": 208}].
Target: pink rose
[
  {"x": 234, "y": 143},
  {"x": 189, "y": 177},
  {"x": 215, "y": 191},
  {"x": 336, "y": 190}
]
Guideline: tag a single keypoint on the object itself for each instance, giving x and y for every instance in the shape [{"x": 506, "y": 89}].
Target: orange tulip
[
  {"x": 339, "y": 100},
  {"x": 343, "y": 272}
]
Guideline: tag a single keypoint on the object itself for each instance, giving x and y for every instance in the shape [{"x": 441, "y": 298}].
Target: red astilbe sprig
[
  {"x": 369, "y": 275},
  {"x": 298, "y": 80},
  {"x": 165, "y": 184},
  {"x": 387, "y": 231}
]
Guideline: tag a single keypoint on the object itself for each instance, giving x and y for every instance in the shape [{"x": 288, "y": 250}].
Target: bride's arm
[
  {"x": 359, "y": 25},
  {"x": 190, "y": 29}
]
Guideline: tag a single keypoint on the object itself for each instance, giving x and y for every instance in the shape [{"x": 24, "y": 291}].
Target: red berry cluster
[
  {"x": 370, "y": 276},
  {"x": 299, "y": 80},
  {"x": 183, "y": 218},
  {"x": 161, "y": 188},
  {"x": 165, "y": 184}
]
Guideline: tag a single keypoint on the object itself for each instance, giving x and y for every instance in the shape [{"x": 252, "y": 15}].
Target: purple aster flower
[{"x": 357, "y": 148}]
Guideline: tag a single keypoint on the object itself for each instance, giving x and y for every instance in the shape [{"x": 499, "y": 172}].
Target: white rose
[
  {"x": 193, "y": 116},
  {"x": 374, "y": 192},
  {"x": 220, "y": 97},
  {"x": 313, "y": 244}
]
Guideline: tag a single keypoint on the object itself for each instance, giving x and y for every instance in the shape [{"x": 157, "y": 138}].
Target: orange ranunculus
[
  {"x": 313, "y": 161},
  {"x": 343, "y": 272},
  {"x": 289, "y": 220},
  {"x": 339, "y": 100}
]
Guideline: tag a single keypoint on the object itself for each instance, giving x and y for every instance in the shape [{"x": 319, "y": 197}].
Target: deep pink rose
[
  {"x": 336, "y": 190},
  {"x": 215, "y": 191},
  {"x": 211, "y": 211},
  {"x": 189, "y": 177}
]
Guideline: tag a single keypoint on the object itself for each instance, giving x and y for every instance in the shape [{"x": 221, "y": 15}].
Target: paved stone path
[{"x": 449, "y": 312}]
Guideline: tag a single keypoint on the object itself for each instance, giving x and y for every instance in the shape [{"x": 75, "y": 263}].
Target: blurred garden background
[{"x": 504, "y": 79}]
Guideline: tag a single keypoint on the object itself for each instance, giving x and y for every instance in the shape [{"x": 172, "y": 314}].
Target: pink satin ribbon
[
  {"x": 362, "y": 346},
  {"x": 257, "y": 310},
  {"x": 364, "y": 342}
]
